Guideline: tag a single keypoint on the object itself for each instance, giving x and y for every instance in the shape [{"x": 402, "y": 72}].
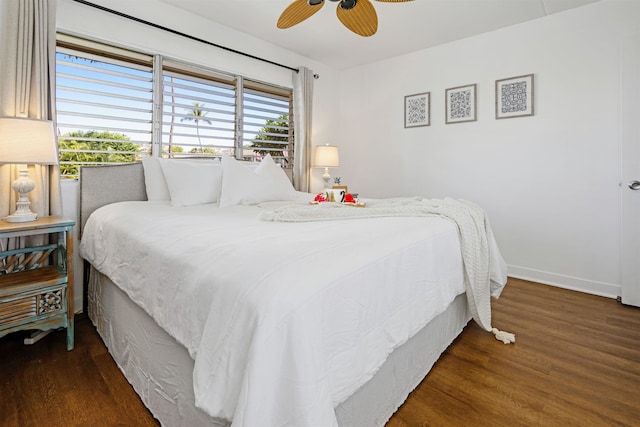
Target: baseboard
[{"x": 608, "y": 290}]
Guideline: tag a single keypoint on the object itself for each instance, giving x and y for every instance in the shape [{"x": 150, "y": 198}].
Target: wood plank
[
  {"x": 44, "y": 384},
  {"x": 38, "y": 224},
  {"x": 31, "y": 279},
  {"x": 576, "y": 362}
]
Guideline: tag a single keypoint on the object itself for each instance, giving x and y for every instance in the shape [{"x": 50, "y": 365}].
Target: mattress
[{"x": 283, "y": 322}]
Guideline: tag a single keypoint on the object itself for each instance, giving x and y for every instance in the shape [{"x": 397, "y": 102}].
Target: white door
[{"x": 630, "y": 139}]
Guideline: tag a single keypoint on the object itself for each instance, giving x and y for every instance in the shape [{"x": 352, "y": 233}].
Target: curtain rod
[{"x": 151, "y": 24}]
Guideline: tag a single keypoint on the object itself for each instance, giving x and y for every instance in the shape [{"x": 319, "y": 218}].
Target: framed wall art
[
  {"x": 514, "y": 97},
  {"x": 460, "y": 104},
  {"x": 417, "y": 110}
]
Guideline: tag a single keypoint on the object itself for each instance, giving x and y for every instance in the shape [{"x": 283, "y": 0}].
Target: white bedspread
[{"x": 284, "y": 321}]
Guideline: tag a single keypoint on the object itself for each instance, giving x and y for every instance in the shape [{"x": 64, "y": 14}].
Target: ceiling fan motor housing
[{"x": 344, "y": 4}]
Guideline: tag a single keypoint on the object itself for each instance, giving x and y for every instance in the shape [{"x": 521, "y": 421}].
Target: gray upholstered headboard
[{"x": 102, "y": 185}]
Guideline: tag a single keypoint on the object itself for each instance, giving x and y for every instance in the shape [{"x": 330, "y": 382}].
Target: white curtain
[
  {"x": 302, "y": 114},
  {"x": 27, "y": 89}
]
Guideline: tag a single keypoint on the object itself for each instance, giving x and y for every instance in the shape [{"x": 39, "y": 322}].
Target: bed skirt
[{"x": 160, "y": 369}]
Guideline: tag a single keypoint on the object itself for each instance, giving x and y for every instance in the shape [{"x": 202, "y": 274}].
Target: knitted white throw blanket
[{"x": 473, "y": 228}]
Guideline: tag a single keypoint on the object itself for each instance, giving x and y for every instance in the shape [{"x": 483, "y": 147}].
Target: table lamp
[
  {"x": 26, "y": 142},
  {"x": 326, "y": 157}
]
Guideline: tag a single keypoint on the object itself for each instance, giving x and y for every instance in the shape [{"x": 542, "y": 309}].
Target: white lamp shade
[
  {"x": 327, "y": 157},
  {"x": 27, "y": 141}
]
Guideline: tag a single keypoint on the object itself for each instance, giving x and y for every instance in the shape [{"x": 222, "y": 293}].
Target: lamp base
[
  {"x": 22, "y": 217},
  {"x": 23, "y": 185},
  {"x": 326, "y": 177}
]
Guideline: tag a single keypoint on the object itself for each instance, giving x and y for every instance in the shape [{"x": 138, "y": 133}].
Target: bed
[{"x": 238, "y": 312}]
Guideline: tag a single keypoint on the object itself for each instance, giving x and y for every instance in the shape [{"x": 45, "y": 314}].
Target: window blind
[
  {"x": 267, "y": 124},
  {"x": 104, "y": 109},
  {"x": 107, "y": 96},
  {"x": 199, "y": 113}
]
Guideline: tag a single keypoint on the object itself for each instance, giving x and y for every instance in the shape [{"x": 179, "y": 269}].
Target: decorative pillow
[
  {"x": 192, "y": 182},
  {"x": 267, "y": 182},
  {"x": 154, "y": 181}
]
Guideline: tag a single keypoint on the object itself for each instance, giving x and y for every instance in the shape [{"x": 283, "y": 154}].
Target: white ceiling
[{"x": 402, "y": 27}]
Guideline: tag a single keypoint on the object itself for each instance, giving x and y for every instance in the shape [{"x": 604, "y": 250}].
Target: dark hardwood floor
[{"x": 576, "y": 362}]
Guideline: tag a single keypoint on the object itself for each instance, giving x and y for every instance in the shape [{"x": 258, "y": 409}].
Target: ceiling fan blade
[
  {"x": 297, "y": 12},
  {"x": 361, "y": 18}
]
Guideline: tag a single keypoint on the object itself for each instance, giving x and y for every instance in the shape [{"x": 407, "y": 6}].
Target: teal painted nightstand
[{"x": 36, "y": 281}]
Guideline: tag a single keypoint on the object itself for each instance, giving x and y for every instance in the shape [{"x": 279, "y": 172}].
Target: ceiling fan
[{"x": 357, "y": 15}]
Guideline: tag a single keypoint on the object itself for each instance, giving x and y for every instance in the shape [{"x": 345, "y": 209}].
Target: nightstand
[{"x": 36, "y": 280}]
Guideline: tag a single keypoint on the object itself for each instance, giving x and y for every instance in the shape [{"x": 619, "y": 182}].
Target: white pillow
[
  {"x": 192, "y": 182},
  {"x": 154, "y": 181},
  {"x": 267, "y": 182}
]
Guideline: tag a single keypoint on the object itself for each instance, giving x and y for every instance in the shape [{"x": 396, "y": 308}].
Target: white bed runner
[{"x": 473, "y": 227}]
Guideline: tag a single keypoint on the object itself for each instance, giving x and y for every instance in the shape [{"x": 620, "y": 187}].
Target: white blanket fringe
[
  {"x": 473, "y": 228},
  {"x": 505, "y": 337}
]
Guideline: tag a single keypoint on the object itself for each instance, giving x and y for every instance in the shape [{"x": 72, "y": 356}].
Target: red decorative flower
[
  {"x": 320, "y": 198},
  {"x": 348, "y": 198}
]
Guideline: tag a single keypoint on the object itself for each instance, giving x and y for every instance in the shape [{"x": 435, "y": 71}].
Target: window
[
  {"x": 266, "y": 127},
  {"x": 104, "y": 106},
  {"x": 199, "y": 113},
  {"x": 105, "y": 109}
]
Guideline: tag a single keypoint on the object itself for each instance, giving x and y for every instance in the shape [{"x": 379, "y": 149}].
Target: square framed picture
[
  {"x": 514, "y": 97},
  {"x": 417, "y": 110},
  {"x": 460, "y": 104}
]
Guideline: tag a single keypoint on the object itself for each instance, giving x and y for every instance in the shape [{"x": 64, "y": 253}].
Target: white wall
[
  {"x": 550, "y": 183},
  {"x": 77, "y": 19}
]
